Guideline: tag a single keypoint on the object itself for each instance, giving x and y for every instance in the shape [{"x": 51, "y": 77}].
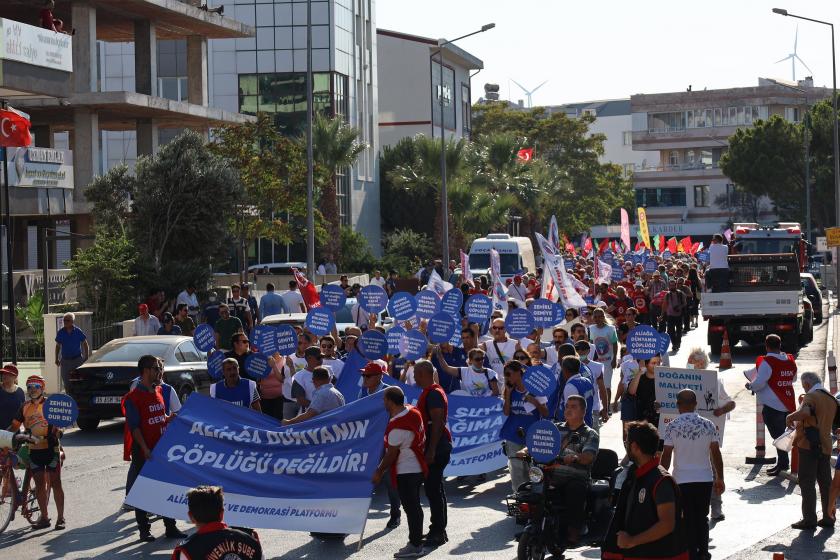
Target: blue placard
[
  {"x": 402, "y": 306},
  {"x": 651, "y": 265},
  {"x": 60, "y": 410},
  {"x": 257, "y": 366},
  {"x": 519, "y": 323},
  {"x": 372, "y": 344},
  {"x": 608, "y": 257},
  {"x": 456, "y": 338},
  {"x": 394, "y": 336},
  {"x": 702, "y": 256},
  {"x": 413, "y": 345},
  {"x": 544, "y": 312},
  {"x": 286, "y": 340},
  {"x": 643, "y": 342},
  {"x": 569, "y": 264},
  {"x": 539, "y": 381},
  {"x": 544, "y": 441},
  {"x": 638, "y": 259},
  {"x": 264, "y": 338},
  {"x": 441, "y": 327},
  {"x": 319, "y": 321},
  {"x": 664, "y": 343},
  {"x": 451, "y": 302},
  {"x": 204, "y": 337},
  {"x": 373, "y": 299},
  {"x": 214, "y": 364},
  {"x": 428, "y": 304},
  {"x": 589, "y": 300},
  {"x": 617, "y": 272},
  {"x": 666, "y": 254},
  {"x": 332, "y": 297},
  {"x": 478, "y": 308}
]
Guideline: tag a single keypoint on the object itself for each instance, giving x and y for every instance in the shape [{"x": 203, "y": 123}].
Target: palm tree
[
  {"x": 423, "y": 174},
  {"x": 336, "y": 146}
]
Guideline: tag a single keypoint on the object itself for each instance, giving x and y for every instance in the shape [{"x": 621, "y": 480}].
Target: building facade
[
  {"x": 691, "y": 130},
  {"x": 411, "y": 88},
  {"x": 267, "y": 73}
]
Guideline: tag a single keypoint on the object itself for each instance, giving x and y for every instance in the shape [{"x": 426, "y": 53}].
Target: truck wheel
[
  {"x": 715, "y": 342},
  {"x": 88, "y": 423},
  {"x": 790, "y": 343}
]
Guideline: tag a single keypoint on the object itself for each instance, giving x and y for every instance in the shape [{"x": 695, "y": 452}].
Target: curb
[{"x": 829, "y": 342}]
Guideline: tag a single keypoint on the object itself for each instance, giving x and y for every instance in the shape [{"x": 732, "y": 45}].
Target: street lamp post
[
  {"x": 310, "y": 162},
  {"x": 783, "y": 12},
  {"x": 444, "y": 199}
]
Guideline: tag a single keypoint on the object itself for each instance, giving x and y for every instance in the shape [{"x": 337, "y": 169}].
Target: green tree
[
  {"x": 106, "y": 277},
  {"x": 336, "y": 147},
  {"x": 271, "y": 169},
  {"x": 405, "y": 249},
  {"x": 356, "y": 255},
  {"x": 403, "y": 208}
]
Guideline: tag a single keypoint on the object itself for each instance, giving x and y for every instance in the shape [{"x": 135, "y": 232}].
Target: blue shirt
[
  {"x": 326, "y": 397},
  {"x": 457, "y": 358},
  {"x": 71, "y": 342},
  {"x": 272, "y": 303}
]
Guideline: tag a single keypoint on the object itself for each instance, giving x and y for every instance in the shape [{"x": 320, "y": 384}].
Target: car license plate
[
  {"x": 107, "y": 400},
  {"x": 752, "y": 328}
]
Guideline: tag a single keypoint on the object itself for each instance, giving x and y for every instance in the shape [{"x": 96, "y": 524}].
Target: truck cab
[
  {"x": 784, "y": 237},
  {"x": 516, "y": 255}
]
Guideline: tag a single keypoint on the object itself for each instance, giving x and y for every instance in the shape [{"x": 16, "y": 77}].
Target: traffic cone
[{"x": 725, "y": 353}]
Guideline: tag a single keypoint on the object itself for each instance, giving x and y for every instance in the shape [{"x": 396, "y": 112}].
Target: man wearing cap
[
  {"x": 146, "y": 323},
  {"x": 71, "y": 347},
  {"x": 371, "y": 378},
  {"x": 11, "y": 396}
]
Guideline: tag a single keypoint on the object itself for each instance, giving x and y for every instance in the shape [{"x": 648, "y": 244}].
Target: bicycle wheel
[
  {"x": 29, "y": 499},
  {"x": 7, "y": 496}
]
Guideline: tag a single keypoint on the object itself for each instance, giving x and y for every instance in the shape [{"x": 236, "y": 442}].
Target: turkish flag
[
  {"x": 686, "y": 244},
  {"x": 525, "y": 154},
  {"x": 307, "y": 290},
  {"x": 604, "y": 245},
  {"x": 694, "y": 248},
  {"x": 672, "y": 245},
  {"x": 14, "y": 129},
  {"x": 587, "y": 246}
]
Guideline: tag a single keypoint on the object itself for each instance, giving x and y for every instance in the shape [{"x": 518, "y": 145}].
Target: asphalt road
[{"x": 758, "y": 508}]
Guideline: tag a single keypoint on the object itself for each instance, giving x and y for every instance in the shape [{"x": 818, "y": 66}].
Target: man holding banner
[
  {"x": 522, "y": 409},
  {"x": 405, "y": 461}
]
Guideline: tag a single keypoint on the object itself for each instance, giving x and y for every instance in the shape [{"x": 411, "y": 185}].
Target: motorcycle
[{"x": 540, "y": 507}]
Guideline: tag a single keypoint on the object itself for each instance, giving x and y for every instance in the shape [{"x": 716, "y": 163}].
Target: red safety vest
[
  {"x": 781, "y": 378},
  {"x": 413, "y": 422},
  {"x": 152, "y": 411},
  {"x": 421, "y": 406}
]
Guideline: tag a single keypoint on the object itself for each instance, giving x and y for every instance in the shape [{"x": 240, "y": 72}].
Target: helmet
[{"x": 36, "y": 379}]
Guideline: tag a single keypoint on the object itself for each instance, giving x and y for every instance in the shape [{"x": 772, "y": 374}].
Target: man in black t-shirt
[{"x": 214, "y": 539}]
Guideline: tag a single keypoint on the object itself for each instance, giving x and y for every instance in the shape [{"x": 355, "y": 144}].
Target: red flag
[
  {"x": 694, "y": 248},
  {"x": 307, "y": 290},
  {"x": 686, "y": 244},
  {"x": 587, "y": 246},
  {"x": 525, "y": 154},
  {"x": 14, "y": 129},
  {"x": 661, "y": 244},
  {"x": 639, "y": 245},
  {"x": 672, "y": 245},
  {"x": 569, "y": 246},
  {"x": 604, "y": 245}
]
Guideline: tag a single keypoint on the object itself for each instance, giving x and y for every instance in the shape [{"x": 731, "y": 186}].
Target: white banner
[
  {"x": 562, "y": 281},
  {"x": 35, "y": 45}
]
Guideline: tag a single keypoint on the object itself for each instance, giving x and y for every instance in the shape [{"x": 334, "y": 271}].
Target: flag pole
[{"x": 9, "y": 278}]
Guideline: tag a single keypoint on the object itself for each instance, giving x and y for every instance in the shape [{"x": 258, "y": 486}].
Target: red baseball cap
[
  {"x": 373, "y": 368},
  {"x": 11, "y": 369}
]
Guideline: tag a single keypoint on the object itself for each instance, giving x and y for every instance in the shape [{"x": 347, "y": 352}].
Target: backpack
[{"x": 835, "y": 424}]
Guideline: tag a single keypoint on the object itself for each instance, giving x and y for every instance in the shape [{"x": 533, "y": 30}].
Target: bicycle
[{"x": 17, "y": 493}]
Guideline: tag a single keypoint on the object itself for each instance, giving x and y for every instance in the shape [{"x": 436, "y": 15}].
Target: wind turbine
[
  {"x": 528, "y": 94},
  {"x": 794, "y": 57}
]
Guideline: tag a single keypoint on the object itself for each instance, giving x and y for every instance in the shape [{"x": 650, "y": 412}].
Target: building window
[
  {"x": 466, "y": 110},
  {"x": 660, "y": 197},
  {"x": 629, "y": 168},
  {"x": 674, "y": 158},
  {"x": 628, "y": 137},
  {"x": 284, "y": 96},
  {"x": 443, "y": 91},
  {"x": 792, "y": 114},
  {"x": 342, "y": 195},
  {"x": 666, "y": 122},
  {"x": 706, "y": 158},
  {"x": 590, "y": 113},
  {"x": 689, "y": 157},
  {"x": 718, "y": 116},
  {"x": 701, "y": 196}
]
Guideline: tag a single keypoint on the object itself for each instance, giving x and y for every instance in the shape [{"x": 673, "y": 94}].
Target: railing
[
  {"x": 677, "y": 167},
  {"x": 103, "y": 332},
  {"x": 28, "y": 349}
]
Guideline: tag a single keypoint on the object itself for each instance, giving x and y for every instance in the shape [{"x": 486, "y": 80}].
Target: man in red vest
[
  {"x": 145, "y": 421},
  {"x": 433, "y": 406},
  {"x": 773, "y": 385},
  {"x": 405, "y": 458}
]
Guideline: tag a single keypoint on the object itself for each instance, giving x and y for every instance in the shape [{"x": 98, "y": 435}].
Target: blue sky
[{"x": 604, "y": 49}]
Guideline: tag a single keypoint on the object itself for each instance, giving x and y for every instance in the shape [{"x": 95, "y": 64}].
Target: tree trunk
[{"x": 329, "y": 209}]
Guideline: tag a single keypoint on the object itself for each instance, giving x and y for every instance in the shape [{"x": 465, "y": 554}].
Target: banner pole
[{"x": 364, "y": 525}]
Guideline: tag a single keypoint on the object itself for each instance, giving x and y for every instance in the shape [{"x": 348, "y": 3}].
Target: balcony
[
  {"x": 681, "y": 137},
  {"x": 681, "y": 171}
]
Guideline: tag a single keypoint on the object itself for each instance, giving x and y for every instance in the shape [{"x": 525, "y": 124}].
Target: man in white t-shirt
[
  {"x": 518, "y": 291},
  {"x": 330, "y": 360},
  {"x": 500, "y": 348},
  {"x": 404, "y": 459},
  {"x": 377, "y": 279},
  {"x": 604, "y": 339},
  {"x": 293, "y": 300},
  {"x": 189, "y": 298},
  {"x": 717, "y": 277},
  {"x": 694, "y": 444},
  {"x": 476, "y": 379}
]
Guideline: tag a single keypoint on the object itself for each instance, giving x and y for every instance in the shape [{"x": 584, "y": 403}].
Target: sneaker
[
  {"x": 804, "y": 525},
  {"x": 175, "y": 533},
  {"x": 435, "y": 539},
  {"x": 826, "y": 523},
  {"x": 147, "y": 536},
  {"x": 393, "y": 522},
  {"x": 410, "y": 551}
]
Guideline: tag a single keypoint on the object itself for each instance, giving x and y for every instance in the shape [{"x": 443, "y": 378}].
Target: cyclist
[{"x": 45, "y": 455}]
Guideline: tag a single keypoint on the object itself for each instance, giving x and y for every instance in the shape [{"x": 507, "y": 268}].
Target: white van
[{"x": 516, "y": 255}]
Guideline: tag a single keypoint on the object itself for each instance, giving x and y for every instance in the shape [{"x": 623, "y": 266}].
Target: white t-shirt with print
[{"x": 476, "y": 383}]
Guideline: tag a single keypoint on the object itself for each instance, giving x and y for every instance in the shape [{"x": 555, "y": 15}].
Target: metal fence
[
  {"x": 103, "y": 332},
  {"x": 28, "y": 349}
]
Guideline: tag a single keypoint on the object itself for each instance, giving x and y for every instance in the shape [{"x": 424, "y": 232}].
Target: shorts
[
  {"x": 628, "y": 408},
  {"x": 44, "y": 460},
  {"x": 608, "y": 371}
]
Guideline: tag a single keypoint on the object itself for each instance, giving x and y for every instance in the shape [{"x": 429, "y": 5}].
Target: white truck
[
  {"x": 765, "y": 296},
  {"x": 516, "y": 255}
]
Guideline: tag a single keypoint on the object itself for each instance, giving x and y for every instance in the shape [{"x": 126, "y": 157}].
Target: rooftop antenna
[
  {"x": 528, "y": 94},
  {"x": 794, "y": 57}
]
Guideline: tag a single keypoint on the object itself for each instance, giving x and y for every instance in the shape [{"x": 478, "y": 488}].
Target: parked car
[
  {"x": 343, "y": 318},
  {"x": 277, "y": 268},
  {"x": 99, "y": 384},
  {"x": 809, "y": 284}
]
